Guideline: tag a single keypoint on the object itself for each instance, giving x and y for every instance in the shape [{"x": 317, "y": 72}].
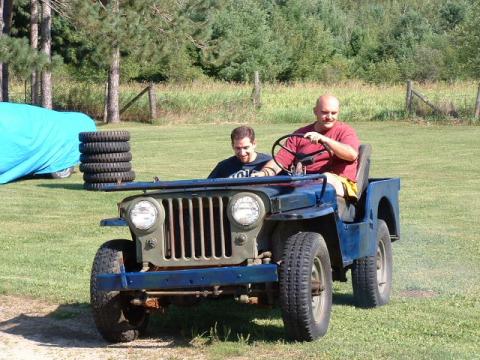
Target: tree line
[{"x": 285, "y": 40}]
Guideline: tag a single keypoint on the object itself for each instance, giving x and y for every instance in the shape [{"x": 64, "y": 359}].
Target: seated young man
[{"x": 245, "y": 160}]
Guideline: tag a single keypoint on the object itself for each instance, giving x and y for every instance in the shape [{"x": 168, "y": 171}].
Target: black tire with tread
[
  {"x": 102, "y": 136},
  {"x": 372, "y": 275},
  {"x": 94, "y": 168},
  {"x": 115, "y": 318},
  {"x": 106, "y": 158},
  {"x": 109, "y": 177},
  {"x": 301, "y": 252},
  {"x": 104, "y": 147},
  {"x": 96, "y": 186}
]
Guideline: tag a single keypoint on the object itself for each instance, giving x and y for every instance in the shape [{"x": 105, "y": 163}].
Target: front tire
[
  {"x": 372, "y": 275},
  {"x": 116, "y": 318},
  {"x": 305, "y": 287}
]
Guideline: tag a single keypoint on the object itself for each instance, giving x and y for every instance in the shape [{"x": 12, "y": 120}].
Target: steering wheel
[{"x": 304, "y": 159}]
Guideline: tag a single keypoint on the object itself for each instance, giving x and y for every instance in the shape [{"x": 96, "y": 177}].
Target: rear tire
[
  {"x": 106, "y": 158},
  {"x": 115, "y": 317},
  {"x": 372, "y": 275},
  {"x": 306, "y": 287},
  {"x": 105, "y": 167},
  {"x": 111, "y": 177},
  {"x": 104, "y": 147},
  {"x": 96, "y": 186},
  {"x": 101, "y": 136}
]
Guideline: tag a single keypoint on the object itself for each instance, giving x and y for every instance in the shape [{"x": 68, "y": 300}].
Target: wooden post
[
  {"x": 256, "y": 93},
  {"x": 409, "y": 97},
  {"x": 133, "y": 100},
  {"x": 152, "y": 100},
  {"x": 477, "y": 104},
  {"x": 426, "y": 101}
]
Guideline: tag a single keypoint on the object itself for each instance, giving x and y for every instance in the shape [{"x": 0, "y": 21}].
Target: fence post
[
  {"x": 152, "y": 100},
  {"x": 477, "y": 104},
  {"x": 257, "y": 90},
  {"x": 408, "y": 100}
]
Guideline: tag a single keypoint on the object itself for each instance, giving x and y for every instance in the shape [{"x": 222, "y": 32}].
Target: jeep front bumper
[{"x": 192, "y": 278}]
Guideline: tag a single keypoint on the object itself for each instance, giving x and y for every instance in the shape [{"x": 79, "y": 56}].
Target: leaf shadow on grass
[
  {"x": 221, "y": 320},
  {"x": 72, "y": 326},
  {"x": 69, "y": 325},
  {"x": 64, "y": 186},
  {"x": 227, "y": 320}
]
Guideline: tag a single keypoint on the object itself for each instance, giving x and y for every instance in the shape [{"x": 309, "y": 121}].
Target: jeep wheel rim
[
  {"x": 381, "y": 267},
  {"x": 63, "y": 173},
  {"x": 318, "y": 293}
]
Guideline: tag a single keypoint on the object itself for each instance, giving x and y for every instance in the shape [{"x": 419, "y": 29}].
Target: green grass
[{"x": 50, "y": 233}]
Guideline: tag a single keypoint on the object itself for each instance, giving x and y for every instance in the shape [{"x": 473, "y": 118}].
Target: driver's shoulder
[
  {"x": 305, "y": 129},
  {"x": 262, "y": 157}
]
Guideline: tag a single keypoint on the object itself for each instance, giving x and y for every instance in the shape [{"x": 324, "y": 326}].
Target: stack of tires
[{"x": 105, "y": 158}]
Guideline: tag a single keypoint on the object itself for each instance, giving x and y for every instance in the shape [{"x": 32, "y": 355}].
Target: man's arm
[
  {"x": 342, "y": 151},
  {"x": 269, "y": 169}
]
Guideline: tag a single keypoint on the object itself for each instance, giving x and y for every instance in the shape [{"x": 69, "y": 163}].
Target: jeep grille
[{"x": 196, "y": 229}]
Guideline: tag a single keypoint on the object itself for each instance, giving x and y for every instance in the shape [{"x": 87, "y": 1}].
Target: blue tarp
[{"x": 34, "y": 140}]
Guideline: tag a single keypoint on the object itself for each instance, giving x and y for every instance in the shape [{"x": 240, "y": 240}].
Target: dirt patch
[
  {"x": 418, "y": 294},
  {"x": 31, "y": 329}
]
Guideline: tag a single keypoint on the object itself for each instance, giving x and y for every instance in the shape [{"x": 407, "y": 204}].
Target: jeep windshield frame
[{"x": 214, "y": 183}]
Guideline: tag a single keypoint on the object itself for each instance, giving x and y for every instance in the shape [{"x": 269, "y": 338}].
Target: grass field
[
  {"x": 50, "y": 234},
  {"x": 219, "y": 102}
]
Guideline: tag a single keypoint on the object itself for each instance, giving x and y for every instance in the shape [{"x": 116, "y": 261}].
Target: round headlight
[
  {"x": 143, "y": 215},
  {"x": 246, "y": 210}
]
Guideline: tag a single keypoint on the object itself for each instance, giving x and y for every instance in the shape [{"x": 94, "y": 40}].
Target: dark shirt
[{"x": 234, "y": 168}]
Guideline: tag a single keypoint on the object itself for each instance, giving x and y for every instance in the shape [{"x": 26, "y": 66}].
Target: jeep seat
[{"x": 348, "y": 210}]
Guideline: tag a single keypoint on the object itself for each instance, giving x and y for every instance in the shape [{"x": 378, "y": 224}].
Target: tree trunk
[
  {"x": 46, "y": 49},
  {"x": 35, "y": 78},
  {"x": 1, "y": 64},
  {"x": 113, "y": 109},
  {"x": 113, "y": 106},
  {"x": 5, "y": 25}
]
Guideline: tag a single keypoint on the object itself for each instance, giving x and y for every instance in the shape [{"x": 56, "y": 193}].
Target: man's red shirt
[{"x": 340, "y": 132}]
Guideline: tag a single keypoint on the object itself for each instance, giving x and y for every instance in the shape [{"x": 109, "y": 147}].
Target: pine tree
[{"x": 142, "y": 30}]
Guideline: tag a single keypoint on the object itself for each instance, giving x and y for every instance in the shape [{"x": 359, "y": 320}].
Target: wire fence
[
  {"x": 226, "y": 102},
  {"x": 446, "y": 101}
]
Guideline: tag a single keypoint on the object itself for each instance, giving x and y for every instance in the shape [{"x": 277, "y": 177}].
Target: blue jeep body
[
  {"x": 195, "y": 247},
  {"x": 292, "y": 199}
]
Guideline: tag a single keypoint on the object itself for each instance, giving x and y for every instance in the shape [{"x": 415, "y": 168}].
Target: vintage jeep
[{"x": 280, "y": 239}]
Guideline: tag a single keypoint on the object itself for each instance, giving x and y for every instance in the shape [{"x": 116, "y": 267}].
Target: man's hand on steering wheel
[{"x": 314, "y": 137}]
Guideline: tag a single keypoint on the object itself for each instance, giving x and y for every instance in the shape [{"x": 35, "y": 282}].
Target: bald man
[{"x": 340, "y": 166}]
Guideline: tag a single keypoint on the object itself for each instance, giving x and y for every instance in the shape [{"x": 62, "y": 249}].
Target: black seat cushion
[{"x": 347, "y": 210}]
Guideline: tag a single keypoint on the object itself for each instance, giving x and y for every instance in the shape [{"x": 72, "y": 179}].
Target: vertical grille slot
[{"x": 196, "y": 229}]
